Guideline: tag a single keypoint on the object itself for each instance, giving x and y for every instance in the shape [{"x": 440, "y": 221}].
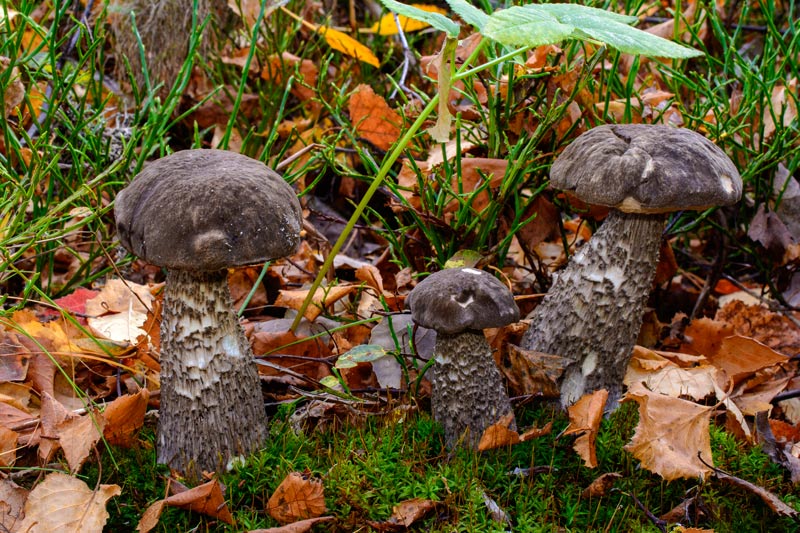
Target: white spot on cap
[
  {"x": 462, "y": 304},
  {"x": 727, "y": 183},
  {"x": 472, "y": 271}
]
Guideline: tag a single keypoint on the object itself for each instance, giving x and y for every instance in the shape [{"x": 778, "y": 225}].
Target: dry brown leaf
[
  {"x": 670, "y": 434},
  {"x": 12, "y": 504},
  {"x": 52, "y": 414},
  {"x": 14, "y": 357},
  {"x": 533, "y": 373},
  {"x": 601, "y": 485},
  {"x": 296, "y": 527},
  {"x": 124, "y": 416},
  {"x": 298, "y": 497},
  {"x": 323, "y": 297},
  {"x": 773, "y": 329},
  {"x": 206, "y": 499},
  {"x": 498, "y": 434},
  {"x": 784, "y": 107},
  {"x": 704, "y": 336},
  {"x": 14, "y": 92},
  {"x": 740, "y": 356},
  {"x": 66, "y": 504},
  {"x": 473, "y": 170},
  {"x": 404, "y": 514},
  {"x": 585, "y": 416},
  {"x": 307, "y": 69},
  {"x": 78, "y": 437},
  {"x": 662, "y": 375},
  {"x": 374, "y": 120},
  {"x": 118, "y": 296},
  {"x": 8, "y": 447}
]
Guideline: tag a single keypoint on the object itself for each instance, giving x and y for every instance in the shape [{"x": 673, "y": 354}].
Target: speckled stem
[
  {"x": 468, "y": 394},
  {"x": 211, "y": 403},
  {"x": 593, "y": 312}
]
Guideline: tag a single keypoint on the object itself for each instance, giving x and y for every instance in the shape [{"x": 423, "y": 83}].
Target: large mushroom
[
  {"x": 197, "y": 213},
  {"x": 468, "y": 394},
  {"x": 593, "y": 312}
]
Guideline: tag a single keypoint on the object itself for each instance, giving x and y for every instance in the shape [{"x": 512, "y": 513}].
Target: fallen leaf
[
  {"x": 296, "y": 527},
  {"x": 585, "y": 416},
  {"x": 118, "y": 296},
  {"x": 8, "y": 447},
  {"x": 66, "y": 504},
  {"x": 740, "y": 356},
  {"x": 755, "y": 321},
  {"x": 124, "y": 416},
  {"x": 374, "y": 120},
  {"x": 12, "y": 504},
  {"x": 404, "y": 514},
  {"x": 78, "y": 436},
  {"x": 670, "y": 434},
  {"x": 323, "y": 297},
  {"x": 601, "y": 485},
  {"x": 206, "y": 499},
  {"x": 348, "y": 46},
  {"x": 662, "y": 375},
  {"x": 298, "y": 497},
  {"x": 772, "y": 500},
  {"x": 498, "y": 434}
]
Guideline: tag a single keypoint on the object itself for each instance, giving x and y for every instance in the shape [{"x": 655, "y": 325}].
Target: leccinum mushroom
[
  {"x": 593, "y": 312},
  {"x": 198, "y": 213},
  {"x": 468, "y": 394}
]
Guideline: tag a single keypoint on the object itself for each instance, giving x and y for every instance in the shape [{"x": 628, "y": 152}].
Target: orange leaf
[
  {"x": 347, "y": 45},
  {"x": 297, "y": 498},
  {"x": 374, "y": 119},
  {"x": 670, "y": 435},
  {"x": 124, "y": 416},
  {"x": 323, "y": 296},
  {"x": 584, "y": 417}
]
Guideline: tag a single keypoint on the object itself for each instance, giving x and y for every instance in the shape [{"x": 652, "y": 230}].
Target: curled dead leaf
[{"x": 298, "y": 497}]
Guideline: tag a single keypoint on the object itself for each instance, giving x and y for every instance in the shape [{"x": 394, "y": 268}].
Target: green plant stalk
[{"x": 386, "y": 166}]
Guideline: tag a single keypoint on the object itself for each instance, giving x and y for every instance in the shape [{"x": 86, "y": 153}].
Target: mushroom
[
  {"x": 197, "y": 213},
  {"x": 468, "y": 394},
  {"x": 593, "y": 312}
]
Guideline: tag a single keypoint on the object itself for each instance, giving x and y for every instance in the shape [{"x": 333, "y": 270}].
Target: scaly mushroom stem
[
  {"x": 593, "y": 311},
  {"x": 211, "y": 403},
  {"x": 468, "y": 394}
]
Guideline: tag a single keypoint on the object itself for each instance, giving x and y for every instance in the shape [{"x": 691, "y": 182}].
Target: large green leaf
[
  {"x": 437, "y": 20},
  {"x": 518, "y": 26},
  {"x": 470, "y": 14},
  {"x": 567, "y": 13}
]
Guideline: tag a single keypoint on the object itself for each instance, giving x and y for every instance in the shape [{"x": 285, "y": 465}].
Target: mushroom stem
[
  {"x": 468, "y": 394},
  {"x": 593, "y": 312},
  {"x": 209, "y": 385}
]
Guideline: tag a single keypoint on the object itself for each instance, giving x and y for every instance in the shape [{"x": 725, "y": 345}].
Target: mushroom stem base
[
  {"x": 211, "y": 404},
  {"x": 593, "y": 312},
  {"x": 468, "y": 393}
]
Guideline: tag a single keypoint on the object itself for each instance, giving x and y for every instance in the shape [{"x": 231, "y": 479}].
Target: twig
[{"x": 408, "y": 59}]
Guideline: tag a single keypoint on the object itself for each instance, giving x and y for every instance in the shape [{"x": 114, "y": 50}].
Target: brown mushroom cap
[
  {"x": 454, "y": 300},
  {"x": 645, "y": 168},
  {"x": 207, "y": 210}
]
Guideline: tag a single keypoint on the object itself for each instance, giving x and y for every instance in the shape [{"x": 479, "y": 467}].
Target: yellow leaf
[
  {"x": 387, "y": 26},
  {"x": 347, "y": 45}
]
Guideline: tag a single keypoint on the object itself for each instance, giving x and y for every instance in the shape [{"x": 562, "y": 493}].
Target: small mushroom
[
  {"x": 198, "y": 213},
  {"x": 468, "y": 394},
  {"x": 593, "y": 312}
]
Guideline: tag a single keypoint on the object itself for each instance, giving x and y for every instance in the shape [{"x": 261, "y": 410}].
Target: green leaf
[
  {"x": 470, "y": 14},
  {"x": 437, "y": 20},
  {"x": 363, "y": 353},
  {"x": 518, "y": 26},
  {"x": 627, "y": 39},
  {"x": 567, "y": 13}
]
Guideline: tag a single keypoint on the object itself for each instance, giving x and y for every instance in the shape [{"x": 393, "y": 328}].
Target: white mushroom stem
[
  {"x": 593, "y": 312},
  {"x": 209, "y": 383},
  {"x": 468, "y": 394}
]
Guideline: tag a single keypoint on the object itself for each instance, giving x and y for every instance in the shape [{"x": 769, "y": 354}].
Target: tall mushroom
[
  {"x": 198, "y": 213},
  {"x": 593, "y": 312},
  {"x": 468, "y": 394}
]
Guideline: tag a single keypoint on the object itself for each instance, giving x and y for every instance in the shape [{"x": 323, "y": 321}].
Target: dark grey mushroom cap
[
  {"x": 454, "y": 300},
  {"x": 645, "y": 168},
  {"x": 207, "y": 210}
]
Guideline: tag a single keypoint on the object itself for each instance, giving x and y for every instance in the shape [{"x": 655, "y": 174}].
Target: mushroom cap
[
  {"x": 645, "y": 168},
  {"x": 207, "y": 210},
  {"x": 454, "y": 300}
]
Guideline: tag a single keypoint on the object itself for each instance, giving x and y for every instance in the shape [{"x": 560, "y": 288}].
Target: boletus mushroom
[
  {"x": 197, "y": 213},
  {"x": 593, "y": 312},
  {"x": 468, "y": 394}
]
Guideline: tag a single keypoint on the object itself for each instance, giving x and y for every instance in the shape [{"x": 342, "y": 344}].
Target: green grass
[{"x": 368, "y": 467}]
